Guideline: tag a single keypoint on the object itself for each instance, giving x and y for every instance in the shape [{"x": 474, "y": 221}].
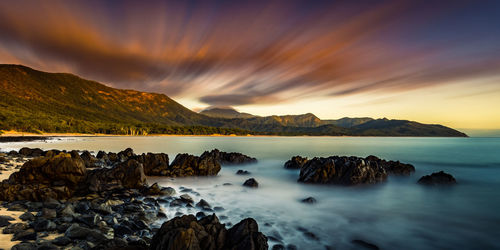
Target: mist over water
[{"x": 398, "y": 214}]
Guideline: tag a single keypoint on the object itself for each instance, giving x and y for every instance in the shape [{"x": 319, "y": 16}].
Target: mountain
[
  {"x": 36, "y": 101},
  {"x": 347, "y": 122},
  {"x": 225, "y": 113}
]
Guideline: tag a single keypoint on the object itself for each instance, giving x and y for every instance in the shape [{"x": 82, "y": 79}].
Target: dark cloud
[{"x": 233, "y": 53}]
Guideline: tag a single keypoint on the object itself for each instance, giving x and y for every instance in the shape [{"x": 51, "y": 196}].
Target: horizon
[{"x": 400, "y": 60}]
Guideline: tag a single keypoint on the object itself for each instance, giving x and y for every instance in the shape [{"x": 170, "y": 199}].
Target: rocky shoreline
[{"x": 73, "y": 200}]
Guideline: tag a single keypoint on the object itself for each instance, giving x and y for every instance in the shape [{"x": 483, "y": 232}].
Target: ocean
[{"x": 397, "y": 214}]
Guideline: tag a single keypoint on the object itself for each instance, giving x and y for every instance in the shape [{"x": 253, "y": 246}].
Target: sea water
[{"x": 397, "y": 214}]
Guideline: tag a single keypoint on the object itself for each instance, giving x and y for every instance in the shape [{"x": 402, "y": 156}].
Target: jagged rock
[
  {"x": 5, "y": 220},
  {"x": 393, "y": 167},
  {"x": 15, "y": 228},
  {"x": 89, "y": 160},
  {"x": 439, "y": 178},
  {"x": 341, "y": 171},
  {"x": 232, "y": 158},
  {"x": 31, "y": 152},
  {"x": 186, "y": 198},
  {"x": 190, "y": 165},
  {"x": 129, "y": 174},
  {"x": 296, "y": 162},
  {"x": 251, "y": 183},
  {"x": 203, "y": 204},
  {"x": 187, "y": 232},
  {"x": 28, "y": 234},
  {"x": 154, "y": 164},
  {"x": 242, "y": 172}
]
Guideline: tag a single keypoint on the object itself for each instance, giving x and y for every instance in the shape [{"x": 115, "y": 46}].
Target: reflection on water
[{"x": 398, "y": 214}]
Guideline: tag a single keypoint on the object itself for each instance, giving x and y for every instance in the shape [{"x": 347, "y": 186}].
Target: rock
[
  {"x": 61, "y": 241},
  {"x": 122, "y": 230},
  {"x": 242, "y": 172},
  {"x": 203, "y": 204},
  {"x": 129, "y": 174},
  {"x": 200, "y": 215},
  {"x": 27, "y": 216},
  {"x": 341, "y": 171},
  {"x": 48, "y": 213},
  {"x": 125, "y": 154},
  {"x": 190, "y": 165},
  {"x": 5, "y": 220},
  {"x": 439, "y": 178},
  {"x": 365, "y": 244},
  {"x": 224, "y": 158},
  {"x": 309, "y": 200},
  {"x": 67, "y": 211},
  {"x": 251, "y": 183},
  {"x": 3, "y": 159},
  {"x": 34, "y": 180},
  {"x": 186, "y": 198},
  {"x": 187, "y": 232},
  {"x": 89, "y": 160},
  {"x": 278, "y": 247},
  {"x": 90, "y": 220},
  {"x": 246, "y": 235},
  {"x": 25, "y": 246},
  {"x": 15, "y": 228},
  {"x": 31, "y": 152},
  {"x": 296, "y": 162},
  {"x": 393, "y": 167},
  {"x": 156, "y": 189},
  {"x": 154, "y": 164},
  {"x": 44, "y": 225},
  {"x": 28, "y": 234}
]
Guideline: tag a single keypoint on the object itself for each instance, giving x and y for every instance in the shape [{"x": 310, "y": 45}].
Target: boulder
[
  {"x": 232, "y": 158},
  {"x": 89, "y": 160},
  {"x": 439, "y": 178},
  {"x": 296, "y": 162},
  {"x": 31, "y": 152},
  {"x": 242, "y": 172},
  {"x": 393, "y": 167},
  {"x": 251, "y": 183},
  {"x": 186, "y": 232},
  {"x": 129, "y": 174},
  {"x": 309, "y": 200},
  {"x": 154, "y": 164},
  {"x": 341, "y": 171},
  {"x": 190, "y": 165}
]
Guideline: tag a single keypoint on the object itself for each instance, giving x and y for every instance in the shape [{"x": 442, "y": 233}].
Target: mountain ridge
[{"x": 32, "y": 100}]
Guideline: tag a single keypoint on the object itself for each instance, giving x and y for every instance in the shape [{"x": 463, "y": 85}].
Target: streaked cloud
[{"x": 258, "y": 52}]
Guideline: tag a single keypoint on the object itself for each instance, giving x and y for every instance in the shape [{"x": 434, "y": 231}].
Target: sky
[{"x": 429, "y": 61}]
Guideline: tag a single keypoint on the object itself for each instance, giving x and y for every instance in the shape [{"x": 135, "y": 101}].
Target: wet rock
[
  {"x": 187, "y": 232},
  {"x": 190, "y": 165},
  {"x": 44, "y": 225},
  {"x": 200, "y": 215},
  {"x": 309, "y": 200},
  {"x": 251, "y": 183},
  {"x": 242, "y": 172},
  {"x": 296, "y": 162},
  {"x": 393, "y": 167},
  {"x": 246, "y": 235},
  {"x": 341, "y": 171},
  {"x": 27, "y": 216},
  {"x": 31, "y": 152},
  {"x": 122, "y": 230},
  {"x": 17, "y": 207},
  {"x": 28, "y": 234},
  {"x": 48, "y": 213},
  {"x": 62, "y": 241},
  {"x": 225, "y": 158},
  {"x": 129, "y": 174},
  {"x": 291, "y": 247},
  {"x": 5, "y": 220},
  {"x": 154, "y": 164},
  {"x": 15, "y": 228},
  {"x": 365, "y": 245},
  {"x": 186, "y": 198},
  {"x": 203, "y": 204},
  {"x": 25, "y": 246},
  {"x": 156, "y": 189},
  {"x": 438, "y": 178},
  {"x": 89, "y": 160}
]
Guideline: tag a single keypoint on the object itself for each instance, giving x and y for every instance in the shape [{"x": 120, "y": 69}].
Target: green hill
[{"x": 35, "y": 101}]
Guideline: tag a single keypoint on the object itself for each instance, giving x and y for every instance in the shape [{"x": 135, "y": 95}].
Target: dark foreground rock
[
  {"x": 296, "y": 162},
  {"x": 309, "y": 200},
  {"x": 393, "y": 167},
  {"x": 187, "y": 232},
  {"x": 439, "y": 178},
  {"x": 190, "y": 165},
  {"x": 342, "y": 171},
  {"x": 251, "y": 183},
  {"x": 232, "y": 158}
]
